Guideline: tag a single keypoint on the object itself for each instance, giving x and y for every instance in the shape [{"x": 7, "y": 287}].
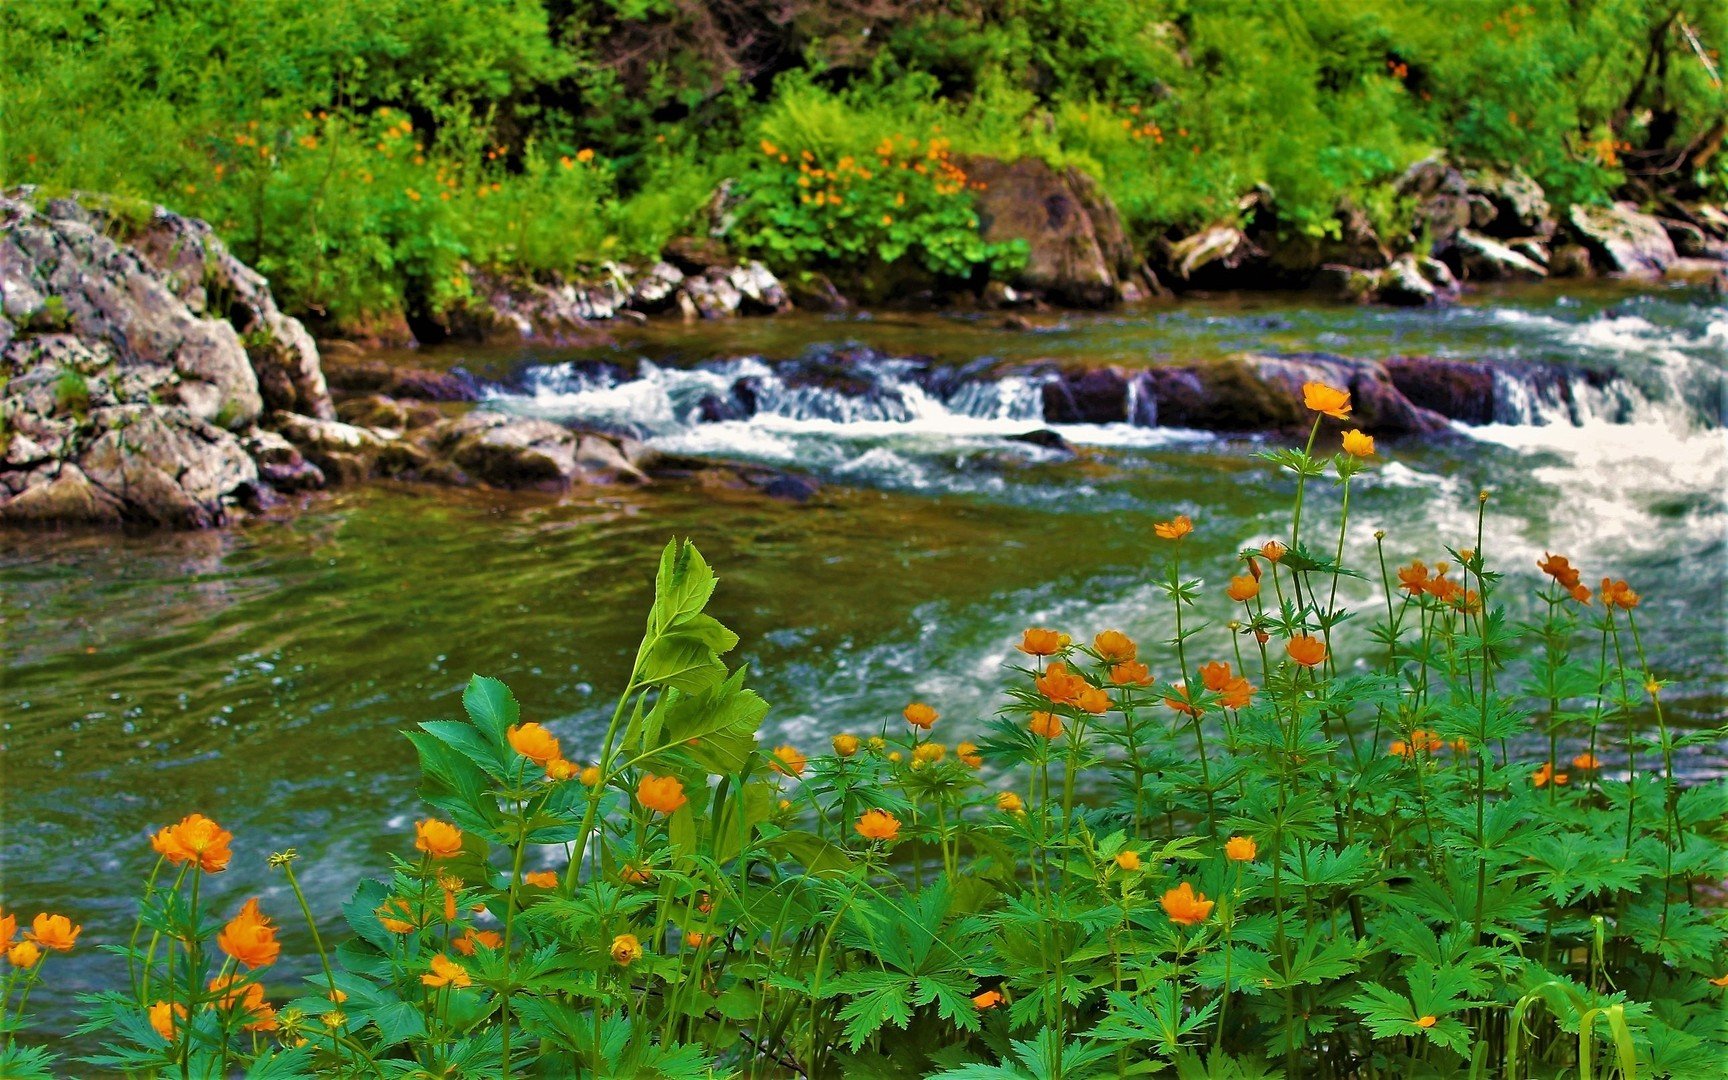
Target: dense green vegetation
[{"x": 361, "y": 153}]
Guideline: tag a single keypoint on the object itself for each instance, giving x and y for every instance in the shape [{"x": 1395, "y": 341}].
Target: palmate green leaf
[
  {"x": 879, "y": 998},
  {"x": 1221, "y": 1066},
  {"x": 26, "y": 1062},
  {"x": 1157, "y": 1018},
  {"x": 1569, "y": 866},
  {"x": 277, "y": 1064},
  {"x": 1314, "y": 962},
  {"x": 1326, "y": 868}
]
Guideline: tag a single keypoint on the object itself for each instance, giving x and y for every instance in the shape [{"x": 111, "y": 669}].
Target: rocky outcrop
[
  {"x": 1077, "y": 250},
  {"x": 1622, "y": 240}
]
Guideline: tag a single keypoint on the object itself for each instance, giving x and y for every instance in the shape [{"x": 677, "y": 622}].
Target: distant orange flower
[
  {"x": 560, "y": 770},
  {"x": 1618, "y": 594},
  {"x": 446, "y": 972},
  {"x": 439, "y": 839},
  {"x": 968, "y": 753},
  {"x": 1175, "y": 529},
  {"x": 165, "y": 1017},
  {"x": 1444, "y": 589},
  {"x": 1242, "y": 589},
  {"x": 1427, "y": 1022},
  {"x": 920, "y": 715},
  {"x": 1039, "y": 641},
  {"x": 196, "y": 839},
  {"x": 387, "y": 913},
  {"x": 989, "y": 999},
  {"x": 1182, "y": 702},
  {"x": 541, "y": 879},
  {"x": 1546, "y": 775},
  {"x": 1581, "y": 593},
  {"x": 1238, "y": 693},
  {"x": 1586, "y": 762},
  {"x": 55, "y": 932},
  {"x": 1328, "y": 400},
  {"x": 1357, "y": 444},
  {"x": 789, "y": 760},
  {"x": 1046, "y": 724},
  {"x": 877, "y": 825},
  {"x": 636, "y": 875},
  {"x": 1185, "y": 906},
  {"x": 1400, "y": 748},
  {"x": 248, "y": 999},
  {"x": 1115, "y": 646},
  {"x": 662, "y": 794},
  {"x": 695, "y": 938},
  {"x": 1061, "y": 685},
  {"x": 533, "y": 742},
  {"x": 8, "y": 930},
  {"x": 23, "y": 955},
  {"x": 1414, "y": 578},
  {"x": 465, "y": 944},
  {"x": 1241, "y": 848},
  {"x": 626, "y": 950},
  {"x": 1131, "y": 673},
  {"x": 589, "y": 777},
  {"x": 584, "y": 155},
  {"x": 928, "y": 753},
  {"x": 845, "y": 745},
  {"x": 1008, "y": 802},
  {"x": 1427, "y": 740},
  {"x": 1272, "y": 550},
  {"x": 1306, "y": 650},
  {"x": 1560, "y": 569},
  {"x": 250, "y": 938},
  {"x": 1128, "y": 860}
]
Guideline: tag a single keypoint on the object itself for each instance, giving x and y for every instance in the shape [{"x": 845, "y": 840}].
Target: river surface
[{"x": 261, "y": 675}]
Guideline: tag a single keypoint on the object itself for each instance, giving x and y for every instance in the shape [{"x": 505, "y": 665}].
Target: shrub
[{"x": 1472, "y": 854}]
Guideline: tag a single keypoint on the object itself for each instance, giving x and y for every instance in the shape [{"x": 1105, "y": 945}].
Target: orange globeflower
[
  {"x": 877, "y": 825},
  {"x": 1242, "y": 589},
  {"x": 1115, "y": 646},
  {"x": 589, "y": 777},
  {"x": 1400, "y": 748},
  {"x": 446, "y": 972},
  {"x": 1722, "y": 981},
  {"x": 1181, "y": 702},
  {"x": 1061, "y": 685},
  {"x": 662, "y": 794},
  {"x": 465, "y": 944},
  {"x": 968, "y": 753},
  {"x": 1047, "y": 724},
  {"x": 1128, "y": 860},
  {"x": 1093, "y": 699},
  {"x": 584, "y": 155},
  {"x": 24, "y": 955},
  {"x": 989, "y": 999},
  {"x": 541, "y": 879},
  {"x": 560, "y": 770},
  {"x": 1238, "y": 694},
  {"x": 195, "y": 839},
  {"x": 626, "y": 950},
  {"x": 1618, "y": 594},
  {"x": 1272, "y": 550},
  {"x": 1581, "y": 593},
  {"x": 1414, "y": 578},
  {"x": 533, "y": 742},
  {"x": 845, "y": 745},
  {"x": 1131, "y": 673},
  {"x": 1040, "y": 641},
  {"x": 920, "y": 715},
  {"x": 387, "y": 912},
  {"x": 1008, "y": 802},
  {"x": 54, "y": 932},
  {"x": 928, "y": 754},
  {"x": 1427, "y": 1021},
  {"x": 250, "y": 938},
  {"x": 1241, "y": 848},
  {"x": 1186, "y": 906},
  {"x": 1357, "y": 444},
  {"x": 165, "y": 1017},
  {"x": 1328, "y": 400},
  {"x": 1215, "y": 676},
  {"x": 249, "y": 999},
  {"x": 1586, "y": 762},
  {"x": 439, "y": 839},
  {"x": 8, "y": 930},
  {"x": 1559, "y": 568},
  {"x": 1306, "y": 650},
  {"x": 1175, "y": 529},
  {"x": 789, "y": 760}
]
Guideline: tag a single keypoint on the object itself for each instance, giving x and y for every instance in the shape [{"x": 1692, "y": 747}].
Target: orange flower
[
  {"x": 968, "y": 753},
  {"x": 1238, "y": 694},
  {"x": 989, "y": 999},
  {"x": 1581, "y": 593},
  {"x": 24, "y": 955},
  {"x": 1414, "y": 578},
  {"x": 249, "y": 999},
  {"x": 1047, "y": 724},
  {"x": 1272, "y": 550},
  {"x": 1128, "y": 860},
  {"x": 789, "y": 760},
  {"x": 1175, "y": 529},
  {"x": 928, "y": 753},
  {"x": 54, "y": 932},
  {"x": 1008, "y": 802},
  {"x": 541, "y": 879},
  {"x": 165, "y": 1017},
  {"x": 466, "y": 943},
  {"x": 1427, "y": 740},
  {"x": 1241, "y": 848},
  {"x": 1586, "y": 762},
  {"x": 626, "y": 950},
  {"x": 560, "y": 770},
  {"x": 1444, "y": 589},
  {"x": 878, "y": 825},
  {"x": 439, "y": 839},
  {"x": 845, "y": 745},
  {"x": 446, "y": 972},
  {"x": 662, "y": 794},
  {"x": 1242, "y": 589},
  {"x": 1115, "y": 647},
  {"x": 1427, "y": 1022},
  {"x": 1617, "y": 594},
  {"x": 1131, "y": 673},
  {"x": 1186, "y": 906},
  {"x": 1093, "y": 699},
  {"x": 1215, "y": 676},
  {"x": 195, "y": 839},
  {"x": 1328, "y": 400},
  {"x": 920, "y": 715},
  {"x": 1357, "y": 444},
  {"x": 1306, "y": 650},
  {"x": 1402, "y": 749},
  {"x": 533, "y": 742},
  {"x": 1545, "y": 775},
  {"x": 1181, "y": 702},
  {"x": 589, "y": 777},
  {"x": 8, "y": 930},
  {"x": 1723, "y": 981},
  {"x": 1039, "y": 641},
  {"x": 250, "y": 938},
  {"x": 695, "y": 938},
  {"x": 584, "y": 155},
  {"x": 387, "y": 912},
  {"x": 1560, "y": 569},
  {"x": 1061, "y": 685}
]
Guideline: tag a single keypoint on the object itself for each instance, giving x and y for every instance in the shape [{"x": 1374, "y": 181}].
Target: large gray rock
[
  {"x": 1077, "y": 250},
  {"x": 523, "y": 452},
  {"x": 1256, "y": 392},
  {"x": 1623, "y": 240},
  {"x": 1519, "y": 205},
  {"x": 1485, "y": 259}
]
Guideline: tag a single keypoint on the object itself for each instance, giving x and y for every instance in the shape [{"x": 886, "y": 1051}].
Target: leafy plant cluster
[
  {"x": 1469, "y": 856},
  {"x": 273, "y": 119}
]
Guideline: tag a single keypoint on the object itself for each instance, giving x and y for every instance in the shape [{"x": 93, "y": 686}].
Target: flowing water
[{"x": 261, "y": 675}]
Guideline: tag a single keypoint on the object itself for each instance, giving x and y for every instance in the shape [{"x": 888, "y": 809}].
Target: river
[{"x": 261, "y": 675}]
